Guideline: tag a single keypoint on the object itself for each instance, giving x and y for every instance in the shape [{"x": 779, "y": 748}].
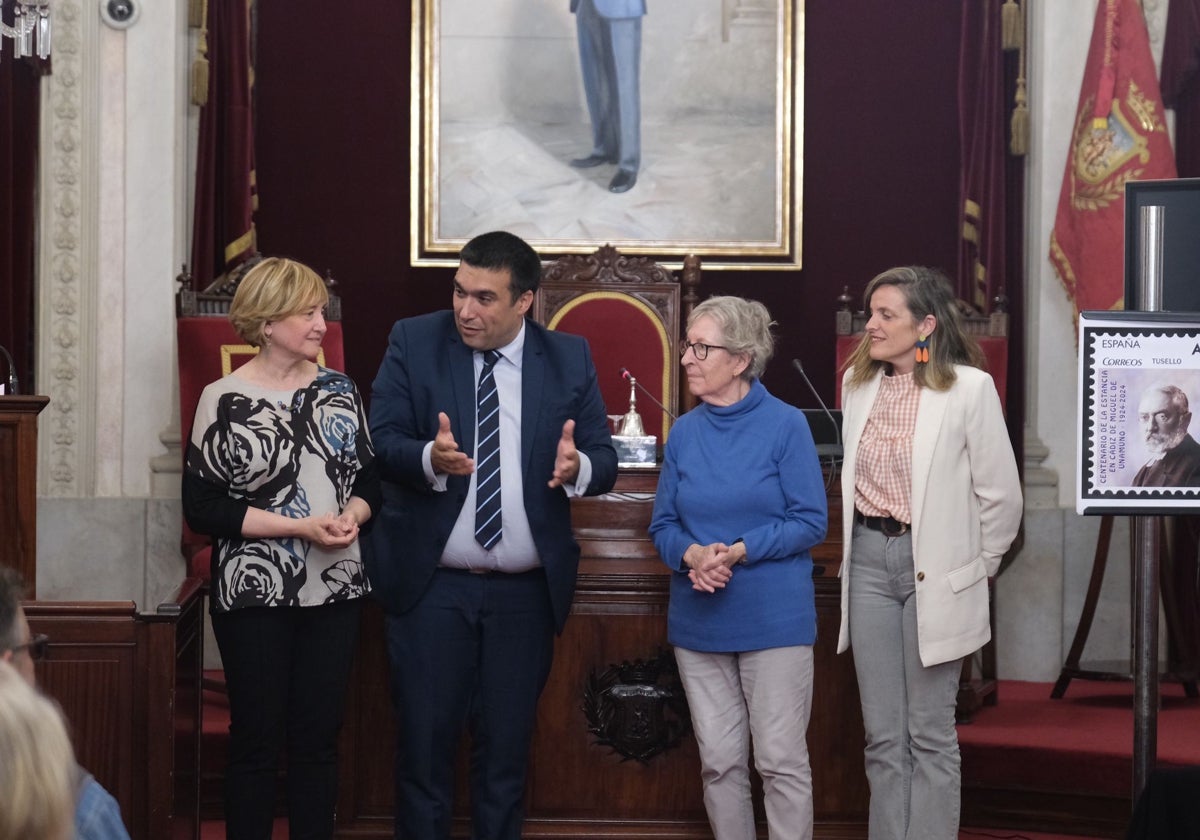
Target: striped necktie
[{"x": 487, "y": 455}]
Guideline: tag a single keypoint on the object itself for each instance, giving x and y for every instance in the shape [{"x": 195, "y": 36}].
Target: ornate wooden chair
[{"x": 632, "y": 311}]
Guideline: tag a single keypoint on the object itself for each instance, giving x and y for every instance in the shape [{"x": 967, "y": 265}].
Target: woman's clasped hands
[
  {"x": 330, "y": 530},
  {"x": 710, "y": 567}
]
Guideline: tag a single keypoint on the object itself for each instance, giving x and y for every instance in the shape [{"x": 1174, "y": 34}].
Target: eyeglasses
[
  {"x": 36, "y": 646},
  {"x": 699, "y": 349}
]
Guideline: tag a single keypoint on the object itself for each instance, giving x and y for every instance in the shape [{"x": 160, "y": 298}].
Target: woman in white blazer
[{"x": 931, "y": 501}]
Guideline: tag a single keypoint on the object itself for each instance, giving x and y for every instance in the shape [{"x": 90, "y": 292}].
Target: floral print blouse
[{"x": 295, "y": 453}]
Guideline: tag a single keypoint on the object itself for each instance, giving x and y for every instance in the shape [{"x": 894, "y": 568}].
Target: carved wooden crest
[
  {"x": 638, "y": 709},
  {"x": 606, "y": 265}
]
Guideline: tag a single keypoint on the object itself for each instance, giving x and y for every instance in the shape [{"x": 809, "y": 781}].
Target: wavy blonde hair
[
  {"x": 926, "y": 292},
  {"x": 274, "y": 289},
  {"x": 38, "y": 774}
]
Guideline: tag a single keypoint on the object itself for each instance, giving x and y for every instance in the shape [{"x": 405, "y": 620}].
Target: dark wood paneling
[
  {"x": 579, "y": 788},
  {"x": 18, "y": 484},
  {"x": 128, "y": 685}
]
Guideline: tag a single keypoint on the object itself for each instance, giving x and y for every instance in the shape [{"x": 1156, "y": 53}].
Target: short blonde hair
[
  {"x": 274, "y": 289},
  {"x": 745, "y": 329},
  {"x": 38, "y": 774}
]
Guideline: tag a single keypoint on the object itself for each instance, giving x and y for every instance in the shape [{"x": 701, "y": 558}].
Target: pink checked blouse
[{"x": 883, "y": 471}]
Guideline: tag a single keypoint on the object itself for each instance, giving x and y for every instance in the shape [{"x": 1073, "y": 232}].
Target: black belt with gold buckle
[{"x": 886, "y": 525}]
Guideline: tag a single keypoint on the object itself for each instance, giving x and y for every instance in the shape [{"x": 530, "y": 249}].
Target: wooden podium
[
  {"x": 580, "y": 784},
  {"x": 18, "y": 484}
]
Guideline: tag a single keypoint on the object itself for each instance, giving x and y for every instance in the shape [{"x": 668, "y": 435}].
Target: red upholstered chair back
[
  {"x": 209, "y": 348},
  {"x": 631, "y": 311}
]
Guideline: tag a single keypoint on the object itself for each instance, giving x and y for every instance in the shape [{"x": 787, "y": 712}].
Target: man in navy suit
[
  {"x": 470, "y": 629},
  {"x": 610, "y": 49}
]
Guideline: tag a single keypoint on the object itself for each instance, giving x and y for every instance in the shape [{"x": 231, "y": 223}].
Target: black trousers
[
  {"x": 287, "y": 669},
  {"x": 474, "y": 654}
]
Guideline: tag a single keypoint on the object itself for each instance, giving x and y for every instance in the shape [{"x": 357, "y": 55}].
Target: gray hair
[{"x": 745, "y": 329}]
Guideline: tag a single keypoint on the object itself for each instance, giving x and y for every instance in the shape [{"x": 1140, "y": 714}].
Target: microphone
[
  {"x": 832, "y": 451},
  {"x": 12, "y": 386},
  {"x": 625, "y": 374}
]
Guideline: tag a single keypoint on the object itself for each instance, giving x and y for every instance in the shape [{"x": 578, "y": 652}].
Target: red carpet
[{"x": 1080, "y": 743}]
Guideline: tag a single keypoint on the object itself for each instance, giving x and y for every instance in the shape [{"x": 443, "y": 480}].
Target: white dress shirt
[{"x": 516, "y": 551}]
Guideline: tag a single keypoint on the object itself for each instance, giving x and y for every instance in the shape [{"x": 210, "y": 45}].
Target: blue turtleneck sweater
[{"x": 748, "y": 471}]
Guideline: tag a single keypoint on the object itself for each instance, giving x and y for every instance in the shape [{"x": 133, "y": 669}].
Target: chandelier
[{"x": 30, "y": 26}]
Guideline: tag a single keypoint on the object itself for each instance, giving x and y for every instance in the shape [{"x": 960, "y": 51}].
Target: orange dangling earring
[{"x": 922, "y": 349}]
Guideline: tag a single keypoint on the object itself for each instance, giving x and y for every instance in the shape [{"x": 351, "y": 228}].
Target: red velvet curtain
[
  {"x": 226, "y": 191},
  {"x": 982, "y": 115},
  {"x": 1181, "y": 82},
  {"x": 18, "y": 173},
  {"x": 991, "y": 188}
]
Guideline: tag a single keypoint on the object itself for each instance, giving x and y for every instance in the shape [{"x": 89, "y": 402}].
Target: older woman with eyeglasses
[{"x": 740, "y": 503}]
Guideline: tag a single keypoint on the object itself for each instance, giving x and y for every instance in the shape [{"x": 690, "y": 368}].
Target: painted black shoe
[{"x": 623, "y": 181}]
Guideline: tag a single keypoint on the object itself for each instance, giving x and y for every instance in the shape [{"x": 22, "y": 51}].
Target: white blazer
[{"x": 966, "y": 507}]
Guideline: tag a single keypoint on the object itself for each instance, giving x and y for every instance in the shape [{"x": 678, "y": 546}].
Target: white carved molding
[{"x": 68, "y": 253}]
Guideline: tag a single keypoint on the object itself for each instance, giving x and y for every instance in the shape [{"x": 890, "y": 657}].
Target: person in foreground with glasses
[
  {"x": 97, "y": 815},
  {"x": 931, "y": 501},
  {"x": 37, "y": 771},
  {"x": 740, "y": 504}
]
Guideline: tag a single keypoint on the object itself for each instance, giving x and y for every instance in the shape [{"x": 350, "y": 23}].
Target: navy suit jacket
[{"x": 427, "y": 369}]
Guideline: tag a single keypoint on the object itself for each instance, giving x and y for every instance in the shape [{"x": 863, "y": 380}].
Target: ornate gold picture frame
[{"x": 500, "y": 113}]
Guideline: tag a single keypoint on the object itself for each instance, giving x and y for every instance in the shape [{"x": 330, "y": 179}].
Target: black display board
[{"x": 1181, "y": 240}]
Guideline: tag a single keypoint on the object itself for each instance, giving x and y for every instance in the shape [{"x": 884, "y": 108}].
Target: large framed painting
[{"x": 662, "y": 128}]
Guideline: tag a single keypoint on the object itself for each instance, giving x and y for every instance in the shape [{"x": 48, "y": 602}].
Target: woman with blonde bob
[
  {"x": 38, "y": 775},
  {"x": 931, "y": 501},
  {"x": 281, "y": 472}
]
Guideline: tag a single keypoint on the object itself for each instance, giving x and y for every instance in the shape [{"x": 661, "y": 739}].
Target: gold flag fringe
[
  {"x": 1012, "y": 27},
  {"x": 1018, "y": 142},
  {"x": 200, "y": 63}
]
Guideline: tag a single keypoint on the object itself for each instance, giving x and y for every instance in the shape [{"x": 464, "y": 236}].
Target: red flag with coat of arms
[{"x": 1120, "y": 135}]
